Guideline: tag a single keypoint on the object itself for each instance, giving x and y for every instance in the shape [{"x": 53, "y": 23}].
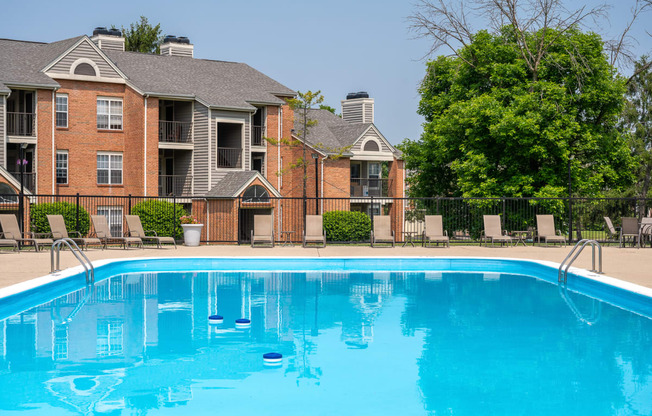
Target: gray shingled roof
[
  {"x": 4, "y": 89},
  {"x": 215, "y": 83},
  {"x": 21, "y": 62},
  {"x": 231, "y": 183}
]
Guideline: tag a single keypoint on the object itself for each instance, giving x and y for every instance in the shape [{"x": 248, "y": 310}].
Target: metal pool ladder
[
  {"x": 562, "y": 274},
  {"x": 74, "y": 248}
]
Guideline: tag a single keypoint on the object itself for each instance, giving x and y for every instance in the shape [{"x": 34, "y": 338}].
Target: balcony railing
[
  {"x": 174, "y": 185},
  {"x": 29, "y": 180},
  {"x": 257, "y": 136},
  {"x": 370, "y": 187},
  {"x": 229, "y": 157},
  {"x": 21, "y": 124},
  {"x": 174, "y": 131}
]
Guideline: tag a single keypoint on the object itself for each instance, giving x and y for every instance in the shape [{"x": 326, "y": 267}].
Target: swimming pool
[{"x": 358, "y": 336}]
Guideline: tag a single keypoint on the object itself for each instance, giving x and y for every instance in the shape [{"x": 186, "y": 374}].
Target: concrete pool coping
[{"x": 624, "y": 264}]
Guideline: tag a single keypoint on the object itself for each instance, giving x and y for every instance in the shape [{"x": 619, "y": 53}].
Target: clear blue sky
[{"x": 336, "y": 46}]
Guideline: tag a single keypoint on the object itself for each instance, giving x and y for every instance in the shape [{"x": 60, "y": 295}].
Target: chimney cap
[
  {"x": 170, "y": 38},
  {"x": 359, "y": 94},
  {"x": 183, "y": 39},
  {"x": 100, "y": 30}
]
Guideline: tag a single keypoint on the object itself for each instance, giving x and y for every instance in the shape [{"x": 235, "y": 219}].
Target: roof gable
[
  {"x": 372, "y": 133},
  {"x": 235, "y": 183},
  {"x": 84, "y": 51}
]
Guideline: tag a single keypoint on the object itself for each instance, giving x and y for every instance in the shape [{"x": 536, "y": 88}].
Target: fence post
[
  {"x": 570, "y": 219},
  {"x": 174, "y": 217},
  {"x": 129, "y": 204},
  {"x": 372, "y": 212},
  {"x": 239, "y": 224},
  {"x": 77, "y": 212},
  {"x": 503, "y": 216},
  {"x": 437, "y": 206}
]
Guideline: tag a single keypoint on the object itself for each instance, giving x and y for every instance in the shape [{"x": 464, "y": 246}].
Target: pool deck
[{"x": 629, "y": 264}]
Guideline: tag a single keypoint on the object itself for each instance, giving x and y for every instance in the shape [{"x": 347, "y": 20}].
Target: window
[
  {"x": 60, "y": 342},
  {"x": 255, "y": 193},
  {"x": 109, "y": 113},
  {"x": 113, "y": 218},
  {"x": 109, "y": 337},
  {"x": 62, "y": 110},
  {"x": 62, "y": 167},
  {"x": 109, "y": 169},
  {"x": 85, "y": 69},
  {"x": 371, "y": 146}
]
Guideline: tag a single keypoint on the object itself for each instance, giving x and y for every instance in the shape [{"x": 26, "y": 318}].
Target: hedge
[
  {"x": 159, "y": 216},
  {"x": 347, "y": 226},
  {"x": 39, "y": 220}
]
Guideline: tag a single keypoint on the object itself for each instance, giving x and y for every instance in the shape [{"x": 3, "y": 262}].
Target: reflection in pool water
[{"x": 352, "y": 343}]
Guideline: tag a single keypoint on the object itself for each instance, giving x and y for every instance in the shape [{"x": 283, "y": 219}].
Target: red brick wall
[
  {"x": 44, "y": 142},
  {"x": 83, "y": 140}
]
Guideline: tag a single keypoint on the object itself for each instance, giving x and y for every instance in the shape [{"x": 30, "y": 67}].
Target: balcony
[
  {"x": 257, "y": 136},
  {"x": 174, "y": 131},
  {"x": 365, "y": 187},
  {"x": 229, "y": 157},
  {"x": 29, "y": 180},
  {"x": 175, "y": 185},
  {"x": 21, "y": 124}
]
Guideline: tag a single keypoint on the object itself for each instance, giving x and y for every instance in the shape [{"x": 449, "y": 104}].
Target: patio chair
[
  {"x": 611, "y": 230},
  {"x": 314, "y": 232},
  {"x": 263, "y": 231},
  {"x": 645, "y": 230},
  {"x": 546, "y": 230},
  {"x": 382, "y": 232},
  {"x": 493, "y": 231},
  {"x": 58, "y": 230},
  {"x": 11, "y": 231},
  {"x": 103, "y": 232},
  {"x": 629, "y": 229},
  {"x": 434, "y": 231},
  {"x": 135, "y": 228}
]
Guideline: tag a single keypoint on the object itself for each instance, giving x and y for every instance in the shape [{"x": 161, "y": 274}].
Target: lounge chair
[
  {"x": 314, "y": 232},
  {"x": 613, "y": 233},
  {"x": 493, "y": 231},
  {"x": 58, "y": 230},
  {"x": 629, "y": 229},
  {"x": 11, "y": 233},
  {"x": 434, "y": 231},
  {"x": 103, "y": 232},
  {"x": 382, "y": 232},
  {"x": 136, "y": 230},
  {"x": 645, "y": 232},
  {"x": 263, "y": 231},
  {"x": 546, "y": 230}
]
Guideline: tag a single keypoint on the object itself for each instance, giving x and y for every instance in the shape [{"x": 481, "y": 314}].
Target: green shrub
[
  {"x": 39, "y": 220},
  {"x": 347, "y": 226},
  {"x": 161, "y": 217}
]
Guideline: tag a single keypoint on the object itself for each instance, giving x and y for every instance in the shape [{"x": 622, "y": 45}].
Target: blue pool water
[{"x": 353, "y": 343}]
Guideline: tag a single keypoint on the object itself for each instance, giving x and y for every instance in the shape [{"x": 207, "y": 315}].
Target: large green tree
[
  {"x": 637, "y": 123},
  {"x": 142, "y": 36},
  {"x": 510, "y": 110}
]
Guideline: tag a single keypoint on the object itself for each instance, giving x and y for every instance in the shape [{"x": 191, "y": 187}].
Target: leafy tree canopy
[
  {"x": 494, "y": 127},
  {"x": 143, "y": 37}
]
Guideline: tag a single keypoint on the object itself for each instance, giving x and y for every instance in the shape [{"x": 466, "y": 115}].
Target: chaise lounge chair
[
  {"x": 59, "y": 230},
  {"x": 263, "y": 231},
  {"x": 103, "y": 232},
  {"x": 135, "y": 227},
  {"x": 629, "y": 229},
  {"x": 434, "y": 231},
  {"x": 613, "y": 233},
  {"x": 314, "y": 232},
  {"x": 382, "y": 232},
  {"x": 11, "y": 233},
  {"x": 546, "y": 230},
  {"x": 493, "y": 231}
]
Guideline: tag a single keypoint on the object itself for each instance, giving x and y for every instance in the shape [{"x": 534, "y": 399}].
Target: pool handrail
[
  {"x": 74, "y": 248},
  {"x": 580, "y": 244}
]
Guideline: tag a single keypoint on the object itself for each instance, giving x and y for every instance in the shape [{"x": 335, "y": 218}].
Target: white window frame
[
  {"x": 113, "y": 215},
  {"x": 111, "y": 115},
  {"x": 111, "y": 156},
  {"x": 59, "y": 109},
  {"x": 61, "y": 167}
]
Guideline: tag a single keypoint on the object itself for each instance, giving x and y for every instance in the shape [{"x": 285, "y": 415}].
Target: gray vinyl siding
[
  {"x": 3, "y": 144},
  {"x": 201, "y": 152},
  {"x": 357, "y": 147},
  {"x": 84, "y": 50},
  {"x": 236, "y": 117}
]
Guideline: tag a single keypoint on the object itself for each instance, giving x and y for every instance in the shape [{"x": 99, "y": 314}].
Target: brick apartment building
[{"x": 84, "y": 116}]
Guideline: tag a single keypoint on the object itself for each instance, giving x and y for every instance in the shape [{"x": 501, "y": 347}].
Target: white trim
[
  {"x": 90, "y": 62},
  {"x": 380, "y": 135},
  {"x": 176, "y": 146},
  {"x": 109, "y": 170},
  {"x": 192, "y": 159},
  {"x": 265, "y": 182},
  {"x": 94, "y": 46},
  {"x": 241, "y": 121},
  {"x": 77, "y": 77},
  {"x": 67, "y": 153},
  {"x": 109, "y": 99},
  {"x": 4, "y": 130},
  {"x": 12, "y": 180},
  {"x": 145, "y": 152},
  {"x": 373, "y": 157},
  {"x": 57, "y": 95},
  {"x": 210, "y": 150},
  {"x": 54, "y": 155},
  {"x": 371, "y": 139},
  {"x": 279, "y": 124},
  {"x": 322, "y": 186}
]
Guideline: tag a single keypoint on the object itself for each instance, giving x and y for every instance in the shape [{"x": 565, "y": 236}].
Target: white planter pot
[{"x": 191, "y": 234}]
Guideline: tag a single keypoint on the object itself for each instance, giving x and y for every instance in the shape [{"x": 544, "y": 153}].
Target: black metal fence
[{"x": 230, "y": 220}]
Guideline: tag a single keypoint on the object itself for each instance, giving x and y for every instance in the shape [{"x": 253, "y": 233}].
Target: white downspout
[
  {"x": 145, "y": 151},
  {"x": 54, "y": 154},
  {"x": 210, "y": 153}
]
